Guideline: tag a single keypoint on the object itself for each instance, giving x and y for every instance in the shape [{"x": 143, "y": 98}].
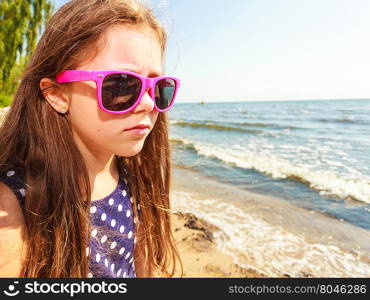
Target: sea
[{"x": 298, "y": 180}]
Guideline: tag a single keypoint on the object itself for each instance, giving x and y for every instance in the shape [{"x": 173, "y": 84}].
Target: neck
[{"x": 102, "y": 169}]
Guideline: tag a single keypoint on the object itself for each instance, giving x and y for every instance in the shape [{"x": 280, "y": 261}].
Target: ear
[{"x": 54, "y": 95}]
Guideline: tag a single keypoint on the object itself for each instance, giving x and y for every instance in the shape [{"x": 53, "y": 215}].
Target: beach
[
  {"x": 199, "y": 256},
  {"x": 264, "y": 237},
  {"x": 289, "y": 191},
  {"x": 195, "y": 242}
]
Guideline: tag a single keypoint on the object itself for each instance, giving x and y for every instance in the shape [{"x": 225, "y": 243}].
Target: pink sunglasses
[{"x": 120, "y": 92}]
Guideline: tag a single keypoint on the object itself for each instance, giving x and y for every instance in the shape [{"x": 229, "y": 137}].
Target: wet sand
[{"x": 200, "y": 258}]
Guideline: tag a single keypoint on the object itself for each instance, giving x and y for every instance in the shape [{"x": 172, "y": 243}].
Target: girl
[{"x": 82, "y": 195}]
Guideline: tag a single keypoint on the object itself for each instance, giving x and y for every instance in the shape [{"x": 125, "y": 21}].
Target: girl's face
[{"x": 102, "y": 134}]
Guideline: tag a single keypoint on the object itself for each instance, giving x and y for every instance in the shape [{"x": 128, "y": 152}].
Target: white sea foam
[
  {"x": 267, "y": 248},
  {"x": 265, "y": 160}
]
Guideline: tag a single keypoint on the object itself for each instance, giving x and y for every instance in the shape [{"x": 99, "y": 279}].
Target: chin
[{"x": 131, "y": 150}]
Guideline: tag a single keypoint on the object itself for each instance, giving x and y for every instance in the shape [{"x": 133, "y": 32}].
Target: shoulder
[
  {"x": 11, "y": 213},
  {"x": 12, "y": 225}
]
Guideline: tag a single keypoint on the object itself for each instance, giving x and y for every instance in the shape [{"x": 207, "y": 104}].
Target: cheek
[
  {"x": 83, "y": 99},
  {"x": 154, "y": 116},
  {"x": 85, "y": 117}
]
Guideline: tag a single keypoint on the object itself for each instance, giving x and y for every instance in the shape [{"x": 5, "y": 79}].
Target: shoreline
[
  {"x": 204, "y": 208},
  {"x": 196, "y": 247}
]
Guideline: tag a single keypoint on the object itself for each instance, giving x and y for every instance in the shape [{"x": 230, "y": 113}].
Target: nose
[{"x": 146, "y": 103}]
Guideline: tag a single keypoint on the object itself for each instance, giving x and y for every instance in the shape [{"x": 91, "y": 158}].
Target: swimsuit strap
[{"x": 14, "y": 178}]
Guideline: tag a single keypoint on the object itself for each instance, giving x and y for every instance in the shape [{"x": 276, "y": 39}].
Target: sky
[{"x": 265, "y": 50}]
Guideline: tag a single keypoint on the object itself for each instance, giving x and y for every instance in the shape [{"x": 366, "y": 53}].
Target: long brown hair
[{"x": 36, "y": 138}]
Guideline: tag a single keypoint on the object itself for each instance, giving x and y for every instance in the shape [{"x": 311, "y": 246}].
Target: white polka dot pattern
[
  {"x": 10, "y": 173},
  {"x": 113, "y": 245},
  {"x": 23, "y": 192}
]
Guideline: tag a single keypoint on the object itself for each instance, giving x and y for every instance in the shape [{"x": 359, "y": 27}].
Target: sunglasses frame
[{"x": 99, "y": 75}]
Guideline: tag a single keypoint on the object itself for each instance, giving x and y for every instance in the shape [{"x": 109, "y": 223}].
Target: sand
[
  {"x": 200, "y": 258},
  {"x": 194, "y": 236}
]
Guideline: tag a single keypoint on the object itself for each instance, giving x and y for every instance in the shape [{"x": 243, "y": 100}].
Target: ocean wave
[
  {"x": 327, "y": 183},
  {"x": 267, "y": 248},
  {"x": 342, "y": 120},
  {"x": 213, "y": 125},
  {"x": 270, "y": 125},
  {"x": 248, "y": 124}
]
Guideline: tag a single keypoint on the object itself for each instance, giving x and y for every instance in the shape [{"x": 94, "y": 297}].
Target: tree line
[{"x": 21, "y": 24}]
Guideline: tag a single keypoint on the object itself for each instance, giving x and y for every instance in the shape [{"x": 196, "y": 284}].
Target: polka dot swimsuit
[
  {"x": 112, "y": 253},
  {"x": 112, "y": 236}
]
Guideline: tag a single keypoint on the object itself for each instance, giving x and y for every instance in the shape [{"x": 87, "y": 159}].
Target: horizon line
[{"x": 278, "y": 100}]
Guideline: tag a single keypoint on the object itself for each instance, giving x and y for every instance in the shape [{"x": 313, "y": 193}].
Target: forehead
[{"x": 128, "y": 47}]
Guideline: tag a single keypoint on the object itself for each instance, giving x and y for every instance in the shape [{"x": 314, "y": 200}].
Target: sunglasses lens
[
  {"x": 165, "y": 92},
  {"x": 120, "y": 91}
]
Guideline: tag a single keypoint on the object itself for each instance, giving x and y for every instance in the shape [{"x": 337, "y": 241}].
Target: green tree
[{"x": 21, "y": 23}]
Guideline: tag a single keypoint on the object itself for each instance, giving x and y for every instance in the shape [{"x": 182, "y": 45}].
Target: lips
[{"x": 139, "y": 126}]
